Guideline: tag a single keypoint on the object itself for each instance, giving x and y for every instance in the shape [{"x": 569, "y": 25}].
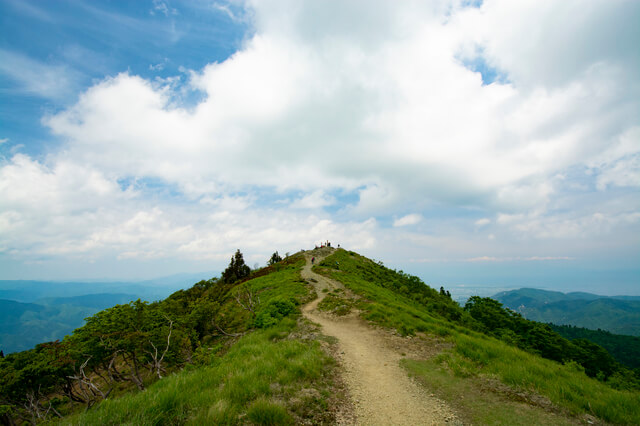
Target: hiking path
[{"x": 381, "y": 391}]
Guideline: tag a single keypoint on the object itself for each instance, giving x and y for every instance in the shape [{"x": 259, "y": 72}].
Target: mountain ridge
[
  {"x": 246, "y": 354},
  {"x": 616, "y": 314}
]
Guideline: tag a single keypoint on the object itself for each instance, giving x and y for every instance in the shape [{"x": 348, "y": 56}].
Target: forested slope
[{"x": 620, "y": 315}]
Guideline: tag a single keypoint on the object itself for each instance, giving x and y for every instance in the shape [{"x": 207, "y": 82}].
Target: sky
[{"x": 467, "y": 142}]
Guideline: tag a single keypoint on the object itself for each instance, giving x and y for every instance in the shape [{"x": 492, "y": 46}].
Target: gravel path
[{"x": 381, "y": 391}]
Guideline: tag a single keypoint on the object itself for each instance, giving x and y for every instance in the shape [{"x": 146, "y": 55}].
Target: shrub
[{"x": 273, "y": 312}]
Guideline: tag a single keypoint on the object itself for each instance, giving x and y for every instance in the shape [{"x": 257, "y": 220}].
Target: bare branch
[{"x": 247, "y": 299}]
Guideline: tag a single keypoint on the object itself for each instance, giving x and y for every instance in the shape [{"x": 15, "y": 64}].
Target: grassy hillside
[
  {"x": 620, "y": 315},
  {"x": 240, "y": 353},
  {"x": 237, "y": 354},
  {"x": 265, "y": 378},
  {"x": 396, "y": 300}
]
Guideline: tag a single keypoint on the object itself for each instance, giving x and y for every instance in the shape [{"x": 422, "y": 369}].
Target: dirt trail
[{"x": 381, "y": 391}]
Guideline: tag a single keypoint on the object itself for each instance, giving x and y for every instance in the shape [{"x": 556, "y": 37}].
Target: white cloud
[
  {"x": 549, "y": 43},
  {"x": 163, "y": 7},
  {"x": 314, "y": 200},
  {"x": 571, "y": 225},
  {"x": 37, "y": 78},
  {"x": 232, "y": 11},
  {"x": 80, "y": 213},
  {"x": 619, "y": 165},
  {"x": 410, "y": 219},
  {"x": 393, "y": 98},
  {"x": 374, "y": 103},
  {"x": 4, "y": 140}
]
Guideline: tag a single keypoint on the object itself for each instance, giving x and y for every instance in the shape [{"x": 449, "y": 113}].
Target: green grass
[
  {"x": 258, "y": 379},
  {"x": 283, "y": 282},
  {"x": 265, "y": 377},
  {"x": 474, "y": 403},
  {"x": 266, "y": 412},
  {"x": 382, "y": 305},
  {"x": 335, "y": 303},
  {"x": 476, "y": 356}
]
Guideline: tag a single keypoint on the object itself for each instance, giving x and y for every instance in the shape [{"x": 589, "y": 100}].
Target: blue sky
[{"x": 481, "y": 143}]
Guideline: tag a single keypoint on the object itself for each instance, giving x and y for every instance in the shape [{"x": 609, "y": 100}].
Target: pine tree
[
  {"x": 275, "y": 258},
  {"x": 236, "y": 270}
]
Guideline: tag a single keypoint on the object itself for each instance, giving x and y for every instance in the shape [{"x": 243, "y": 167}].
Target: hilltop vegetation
[
  {"x": 619, "y": 315},
  {"x": 234, "y": 350},
  {"x": 490, "y": 341},
  {"x": 203, "y": 331}
]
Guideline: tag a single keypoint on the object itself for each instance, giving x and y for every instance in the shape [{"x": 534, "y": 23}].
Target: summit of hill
[{"x": 323, "y": 336}]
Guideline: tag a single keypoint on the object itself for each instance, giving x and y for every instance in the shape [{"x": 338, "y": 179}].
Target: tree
[
  {"x": 275, "y": 258},
  {"x": 236, "y": 270}
]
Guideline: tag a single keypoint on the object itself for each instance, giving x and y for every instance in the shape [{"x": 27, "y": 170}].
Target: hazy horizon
[{"x": 483, "y": 283}]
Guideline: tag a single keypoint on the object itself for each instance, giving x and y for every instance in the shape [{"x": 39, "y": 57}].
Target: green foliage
[
  {"x": 477, "y": 402},
  {"x": 336, "y": 304},
  {"x": 133, "y": 345},
  {"x": 539, "y": 338},
  {"x": 271, "y": 313},
  {"x": 259, "y": 377},
  {"x": 265, "y": 412},
  {"x": 24, "y": 325},
  {"x": 27, "y": 377},
  {"x": 619, "y": 315},
  {"x": 565, "y": 385},
  {"x": 358, "y": 273},
  {"x": 275, "y": 258},
  {"x": 625, "y": 349},
  {"x": 236, "y": 270},
  {"x": 475, "y": 355},
  {"x": 243, "y": 383}
]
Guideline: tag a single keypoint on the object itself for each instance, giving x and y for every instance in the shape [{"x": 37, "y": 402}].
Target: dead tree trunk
[
  {"x": 156, "y": 363},
  {"x": 247, "y": 299}
]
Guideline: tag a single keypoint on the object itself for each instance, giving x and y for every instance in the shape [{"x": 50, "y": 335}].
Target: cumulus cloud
[
  {"x": 77, "y": 212},
  {"x": 314, "y": 200},
  {"x": 410, "y": 219},
  {"x": 394, "y": 101},
  {"x": 374, "y": 101},
  {"x": 483, "y": 221}
]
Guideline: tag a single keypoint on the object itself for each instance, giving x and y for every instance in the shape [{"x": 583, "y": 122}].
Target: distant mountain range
[
  {"x": 31, "y": 291},
  {"x": 33, "y": 312},
  {"x": 617, "y": 314}
]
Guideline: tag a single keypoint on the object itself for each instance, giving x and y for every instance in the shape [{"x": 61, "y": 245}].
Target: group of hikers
[{"x": 324, "y": 244}]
